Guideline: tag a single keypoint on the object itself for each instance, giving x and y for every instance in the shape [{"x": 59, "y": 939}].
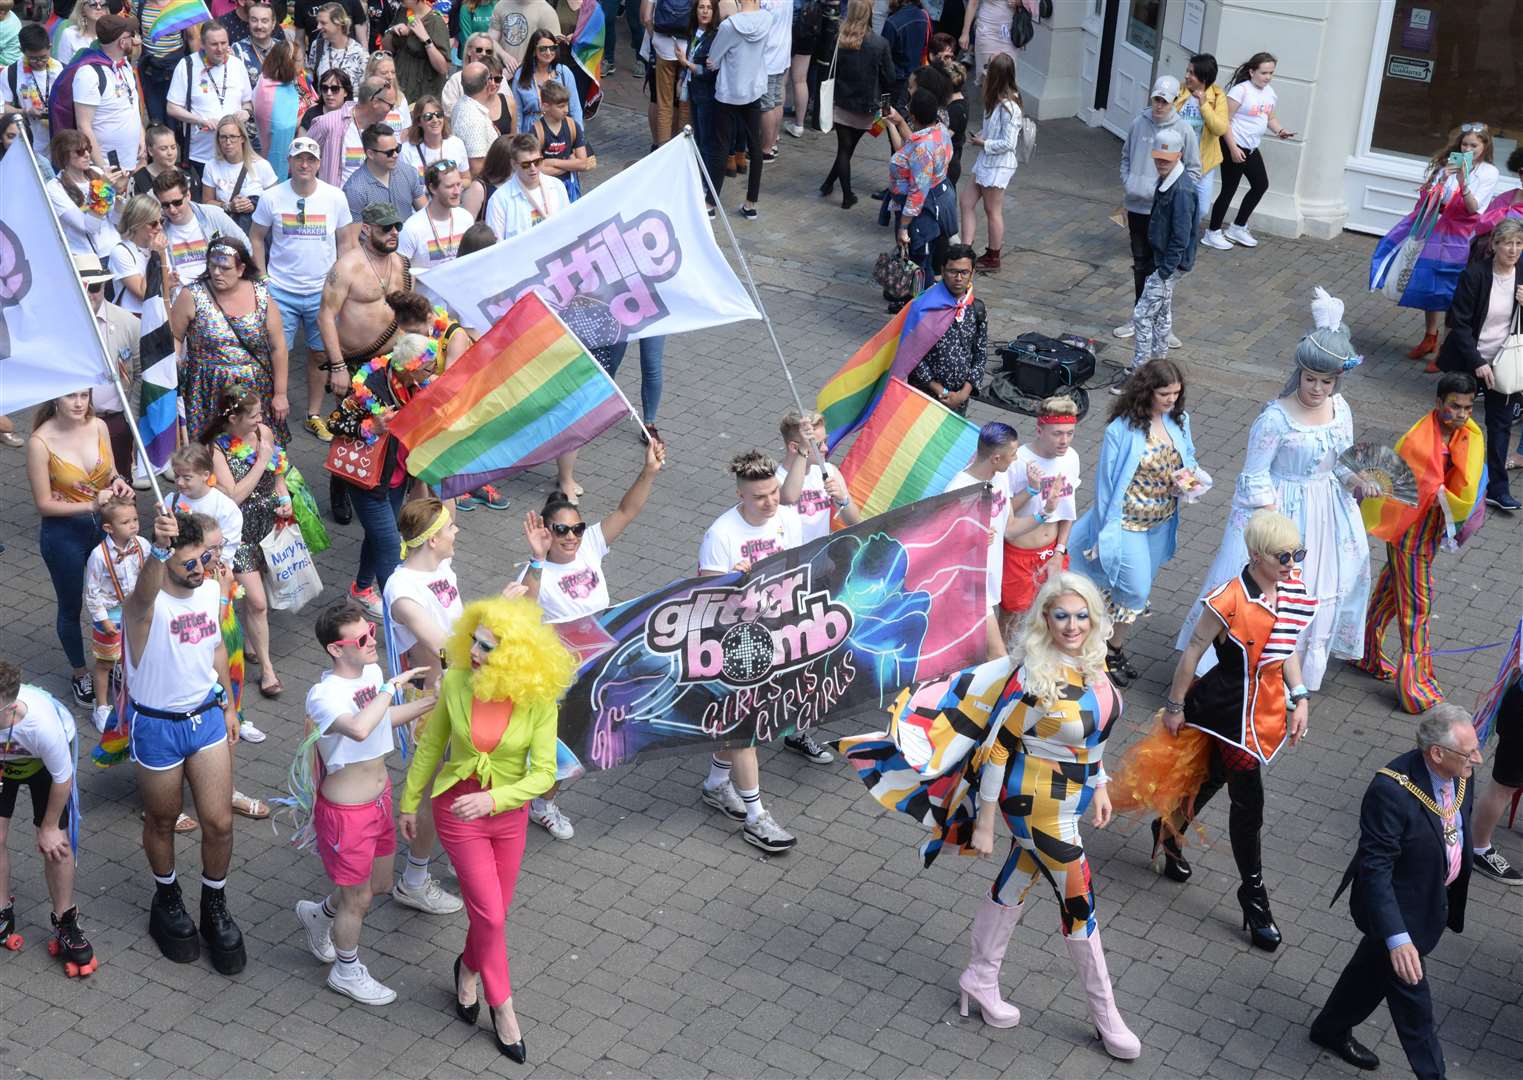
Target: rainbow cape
[
  {"x": 849, "y": 396},
  {"x": 177, "y": 15},
  {"x": 525, "y": 393},
  {"x": 1444, "y": 231},
  {"x": 1458, "y": 492},
  {"x": 587, "y": 57},
  {"x": 910, "y": 449}
]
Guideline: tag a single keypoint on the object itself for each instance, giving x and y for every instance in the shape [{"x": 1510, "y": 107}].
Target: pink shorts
[{"x": 351, "y": 838}]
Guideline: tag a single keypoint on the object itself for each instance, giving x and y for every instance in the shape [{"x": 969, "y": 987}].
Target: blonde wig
[
  {"x": 529, "y": 664},
  {"x": 1033, "y": 645}
]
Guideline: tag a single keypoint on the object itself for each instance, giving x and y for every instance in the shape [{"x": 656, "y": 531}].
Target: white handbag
[
  {"x": 1507, "y": 368},
  {"x": 828, "y": 93}
]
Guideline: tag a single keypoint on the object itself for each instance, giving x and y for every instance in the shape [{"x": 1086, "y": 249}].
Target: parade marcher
[
  {"x": 530, "y": 197},
  {"x": 162, "y": 154},
  {"x": 379, "y": 180},
  {"x": 513, "y": 22},
  {"x": 1410, "y": 880},
  {"x": 430, "y": 142},
  {"x": 263, "y": 36},
  {"x": 1292, "y": 466},
  {"x": 563, "y": 141},
  {"x": 106, "y": 99},
  {"x": 382, "y": 65},
  {"x": 476, "y": 47},
  {"x": 1172, "y": 227},
  {"x": 111, "y": 573},
  {"x": 1147, "y": 464},
  {"x": 121, "y": 333},
  {"x": 1043, "y": 545},
  {"x": 183, "y": 727},
  {"x": 420, "y": 43},
  {"x": 207, "y": 86},
  {"x": 37, "y": 752},
  {"x": 864, "y": 72},
  {"x": 235, "y": 176},
  {"x": 1020, "y": 737},
  {"x": 142, "y": 237},
  {"x": 26, "y": 85},
  {"x": 953, "y": 367},
  {"x": 351, "y": 714},
  {"x": 159, "y": 56},
  {"x": 82, "y": 195},
  {"x": 471, "y": 118},
  {"x": 543, "y": 66},
  {"x": 334, "y": 49},
  {"x": 1250, "y": 105},
  {"x": 189, "y": 229},
  {"x": 497, "y": 715},
  {"x": 1445, "y": 450},
  {"x": 281, "y": 95},
  {"x": 334, "y": 91},
  {"x": 431, "y": 236},
  {"x": 337, "y": 131}
]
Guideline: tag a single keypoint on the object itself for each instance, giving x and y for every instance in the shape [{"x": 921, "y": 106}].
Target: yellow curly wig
[{"x": 529, "y": 665}]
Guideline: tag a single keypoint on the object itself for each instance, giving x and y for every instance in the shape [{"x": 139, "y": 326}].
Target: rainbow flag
[
  {"x": 525, "y": 393},
  {"x": 177, "y": 15},
  {"x": 849, "y": 396},
  {"x": 910, "y": 449},
  {"x": 1458, "y": 491},
  {"x": 587, "y": 54}
]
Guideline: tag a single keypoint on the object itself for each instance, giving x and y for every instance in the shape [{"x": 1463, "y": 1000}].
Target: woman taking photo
[
  {"x": 83, "y": 197},
  {"x": 1250, "y": 108},
  {"x": 996, "y": 163},
  {"x": 864, "y": 73},
  {"x": 142, "y": 235},
  {"x": 429, "y": 141},
  {"x": 1020, "y": 737},
  {"x": 925, "y": 204},
  {"x": 162, "y": 152},
  {"x": 1204, "y": 107},
  {"x": 232, "y": 335},
  {"x": 333, "y": 90},
  {"x": 333, "y": 49},
  {"x": 281, "y": 97},
  {"x": 541, "y": 64},
  {"x": 235, "y": 177},
  {"x": 69, "y": 466},
  {"x": 1147, "y": 463},
  {"x": 497, "y": 715}
]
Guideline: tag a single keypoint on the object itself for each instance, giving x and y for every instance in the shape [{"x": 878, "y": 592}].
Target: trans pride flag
[{"x": 587, "y": 57}]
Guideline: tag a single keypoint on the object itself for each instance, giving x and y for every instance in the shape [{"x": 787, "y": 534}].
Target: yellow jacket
[
  {"x": 521, "y": 767},
  {"x": 1213, "y": 114}
]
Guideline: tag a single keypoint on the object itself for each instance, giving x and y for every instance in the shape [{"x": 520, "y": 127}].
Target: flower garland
[
  {"x": 99, "y": 197},
  {"x": 362, "y": 399},
  {"x": 440, "y": 324},
  {"x": 244, "y": 451}
]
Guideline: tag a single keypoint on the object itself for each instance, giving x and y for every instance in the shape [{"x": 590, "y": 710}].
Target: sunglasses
[
  {"x": 1288, "y": 557},
  {"x": 1471, "y": 129},
  {"x": 443, "y": 165},
  {"x": 560, "y": 528},
  {"x": 547, "y": 48},
  {"x": 531, "y": 163},
  {"x": 96, "y": 287},
  {"x": 205, "y": 560},
  {"x": 364, "y": 641},
  {"x": 393, "y": 152},
  {"x": 496, "y": 79},
  {"x": 426, "y": 117},
  {"x": 332, "y": 88},
  {"x": 301, "y": 211},
  {"x": 393, "y": 227},
  {"x": 172, "y": 204}
]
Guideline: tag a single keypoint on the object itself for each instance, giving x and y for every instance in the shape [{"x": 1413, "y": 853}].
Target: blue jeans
[
  {"x": 1205, "y": 192},
  {"x": 156, "y": 75},
  {"x": 651, "y": 351},
  {"x": 66, "y": 543},
  {"x": 705, "y": 112},
  {"x": 610, "y": 28},
  {"x": 382, "y": 550}
]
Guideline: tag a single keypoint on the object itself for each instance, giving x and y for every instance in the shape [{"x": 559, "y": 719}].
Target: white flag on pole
[
  {"x": 48, "y": 343},
  {"x": 635, "y": 257}
]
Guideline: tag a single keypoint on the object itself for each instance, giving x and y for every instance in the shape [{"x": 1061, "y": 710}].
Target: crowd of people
[{"x": 274, "y": 184}]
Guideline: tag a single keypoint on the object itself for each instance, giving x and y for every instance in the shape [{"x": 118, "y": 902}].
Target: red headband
[{"x": 1056, "y": 418}]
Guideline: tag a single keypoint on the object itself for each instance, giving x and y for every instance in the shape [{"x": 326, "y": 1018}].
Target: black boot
[
  {"x": 1168, "y": 858},
  {"x": 224, "y": 941},
  {"x": 1122, "y": 673},
  {"x": 170, "y": 925},
  {"x": 338, "y": 500},
  {"x": 70, "y": 945},
  {"x": 1258, "y": 920}
]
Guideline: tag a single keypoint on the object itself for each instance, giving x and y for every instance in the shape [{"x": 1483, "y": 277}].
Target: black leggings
[
  {"x": 1258, "y": 183},
  {"x": 745, "y": 118},
  {"x": 846, "y": 145}
]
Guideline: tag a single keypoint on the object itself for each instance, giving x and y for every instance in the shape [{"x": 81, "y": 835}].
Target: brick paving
[{"x": 656, "y": 943}]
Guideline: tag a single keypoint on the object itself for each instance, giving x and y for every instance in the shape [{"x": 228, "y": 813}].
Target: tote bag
[
  {"x": 290, "y": 577},
  {"x": 828, "y": 93},
  {"x": 1507, "y": 368}
]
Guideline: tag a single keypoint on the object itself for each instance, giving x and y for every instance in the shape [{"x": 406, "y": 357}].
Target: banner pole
[{"x": 100, "y": 339}]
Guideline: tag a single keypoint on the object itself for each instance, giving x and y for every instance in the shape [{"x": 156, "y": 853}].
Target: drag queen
[
  {"x": 1292, "y": 466},
  {"x": 1020, "y": 737}
]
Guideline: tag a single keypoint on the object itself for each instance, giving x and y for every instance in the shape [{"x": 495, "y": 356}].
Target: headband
[
  {"x": 1056, "y": 418},
  {"x": 429, "y": 533},
  {"x": 1349, "y": 362}
]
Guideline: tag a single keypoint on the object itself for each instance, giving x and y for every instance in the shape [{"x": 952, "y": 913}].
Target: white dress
[{"x": 1293, "y": 468}]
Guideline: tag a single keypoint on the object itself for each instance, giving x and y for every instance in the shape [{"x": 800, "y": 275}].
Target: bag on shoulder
[
  {"x": 672, "y": 16},
  {"x": 1021, "y": 28},
  {"x": 1025, "y": 140},
  {"x": 61, "y": 99},
  {"x": 1507, "y": 368}
]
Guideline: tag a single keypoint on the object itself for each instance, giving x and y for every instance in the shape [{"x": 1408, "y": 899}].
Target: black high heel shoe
[
  {"x": 1168, "y": 859},
  {"x": 1258, "y": 920},
  {"x": 514, "y": 1052},
  {"x": 470, "y": 1012}
]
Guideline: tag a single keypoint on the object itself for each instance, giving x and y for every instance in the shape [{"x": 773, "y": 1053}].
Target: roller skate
[
  {"x": 70, "y": 945},
  {"x": 170, "y": 926},
  {"x": 8, "y": 936},
  {"x": 224, "y": 941}
]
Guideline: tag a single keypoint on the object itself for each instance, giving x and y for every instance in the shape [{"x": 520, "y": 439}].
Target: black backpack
[{"x": 672, "y": 16}]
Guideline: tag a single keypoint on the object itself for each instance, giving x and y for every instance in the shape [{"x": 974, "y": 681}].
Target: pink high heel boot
[
  {"x": 992, "y": 927},
  {"x": 1119, "y": 1041}
]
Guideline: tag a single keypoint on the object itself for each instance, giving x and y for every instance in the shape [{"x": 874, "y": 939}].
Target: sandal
[
  {"x": 1514, "y": 461},
  {"x": 183, "y": 824},
  {"x": 274, "y": 690},
  {"x": 250, "y": 807}
]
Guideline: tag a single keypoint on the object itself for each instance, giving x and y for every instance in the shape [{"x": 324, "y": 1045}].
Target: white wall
[{"x": 1051, "y": 67}]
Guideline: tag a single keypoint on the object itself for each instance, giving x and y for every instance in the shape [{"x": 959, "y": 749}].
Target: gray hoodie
[
  {"x": 1139, "y": 178},
  {"x": 738, "y": 54}
]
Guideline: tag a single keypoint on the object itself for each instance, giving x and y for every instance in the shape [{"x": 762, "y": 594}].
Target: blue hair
[{"x": 992, "y": 437}]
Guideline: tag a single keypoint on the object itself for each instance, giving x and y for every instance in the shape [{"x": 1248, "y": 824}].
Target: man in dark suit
[{"x": 1410, "y": 877}]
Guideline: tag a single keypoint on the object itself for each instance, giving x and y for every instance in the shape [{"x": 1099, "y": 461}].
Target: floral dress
[
  {"x": 259, "y": 507},
  {"x": 221, "y": 349}
]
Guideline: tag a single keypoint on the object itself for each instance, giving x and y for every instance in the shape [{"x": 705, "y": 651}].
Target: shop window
[{"x": 1142, "y": 21}]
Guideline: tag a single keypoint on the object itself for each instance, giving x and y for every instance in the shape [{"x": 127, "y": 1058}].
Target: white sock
[
  {"x": 719, "y": 772},
  {"x": 348, "y": 963},
  {"x": 415, "y": 875},
  {"x": 752, "y": 798},
  {"x": 1481, "y": 850}
]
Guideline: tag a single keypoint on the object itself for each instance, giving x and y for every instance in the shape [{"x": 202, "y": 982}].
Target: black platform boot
[
  {"x": 170, "y": 925},
  {"x": 224, "y": 941},
  {"x": 1258, "y": 920}
]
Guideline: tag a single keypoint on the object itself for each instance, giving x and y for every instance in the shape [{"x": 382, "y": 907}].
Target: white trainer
[
  {"x": 726, "y": 800},
  {"x": 549, "y": 817},
  {"x": 796, "y": 130},
  {"x": 1174, "y": 342},
  {"x": 1239, "y": 234},
  {"x": 360, "y": 986},
  {"x": 319, "y": 930},
  {"x": 248, "y": 733},
  {"x": 1125, "y": 330},
  {"x": 432, "y": 899},
  {"x": 768, "y": 835},
  {"x": 101, "y": 716},
  {"x": 1215, "y": 239}
]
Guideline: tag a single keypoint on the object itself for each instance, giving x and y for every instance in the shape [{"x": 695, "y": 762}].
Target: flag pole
[{"x": 100, "y": 339}]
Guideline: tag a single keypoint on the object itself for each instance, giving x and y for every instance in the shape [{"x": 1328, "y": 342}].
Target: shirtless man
[{"x": 354, "y": 319}]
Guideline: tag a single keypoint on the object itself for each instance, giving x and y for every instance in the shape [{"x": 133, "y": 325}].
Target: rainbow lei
[
  {"x": 362, "y": 398},
  {"x": 440, "y": 324},
  {"x": 243, "y": 451},
  {"x": 99, "y": 197}
]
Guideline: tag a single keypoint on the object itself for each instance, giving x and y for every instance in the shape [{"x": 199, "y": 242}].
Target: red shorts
[
  {"x": 351, "y": 838},
  {"x": 1025, "y": 570}
]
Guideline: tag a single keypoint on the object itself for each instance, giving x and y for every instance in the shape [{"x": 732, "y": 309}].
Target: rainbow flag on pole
[
  {"x": 177, "y": 15},
  {"x": 587, "y": 52},
  {"x": 850, "y": 395},
  {"x": 524, "y": 394},
  {"x": 909, "y": 450}
]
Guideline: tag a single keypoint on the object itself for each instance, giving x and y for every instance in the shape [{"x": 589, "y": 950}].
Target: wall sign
[{"x": 1410, "y": 67}]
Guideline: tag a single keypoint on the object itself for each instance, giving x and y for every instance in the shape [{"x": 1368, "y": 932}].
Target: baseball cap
[
  {"x": 1167, "y": 87},
  {"x": 110, "y": 27},
  {"x": 381, "y": 213},
  {"x": 90, "y": 269},
  {"x": 1168, "y": 144},
  {"x": 304, "y": 145}
]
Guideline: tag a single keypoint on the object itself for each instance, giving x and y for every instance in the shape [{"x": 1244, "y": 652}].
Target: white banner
[
  {"x": 48, "y": 343},
  {"x": 635, "y": 257}
]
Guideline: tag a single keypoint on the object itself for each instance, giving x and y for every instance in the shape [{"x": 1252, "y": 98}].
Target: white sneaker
[
  {"x": 1174, "y": 342},
  {"x": 1215, "y": 239},
  {"x": 549, "y": 817},
  {"x": 101, "y": 715},
  {"x": 432, "y": 899},
  {"x": 1125, "y": 330},
  {"x": 249, "y": 733},
  {"x": 796, "y": 130},
  {"x": 726, "y": 800},
  {"x": 319, "y": 929},
  {"x": 1239, "y": 234},
  {"x": 768, "y": 834},
  {"x": 360, "y": 986}
]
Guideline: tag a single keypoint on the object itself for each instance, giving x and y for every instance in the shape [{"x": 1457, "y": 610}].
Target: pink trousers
[{"x": 486, "y": 853}]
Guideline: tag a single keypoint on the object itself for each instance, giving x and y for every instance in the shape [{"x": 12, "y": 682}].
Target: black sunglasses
[
  {"x": 332, "y": 86},
  {"x": 301, "y": 211},
  {"x": 170, "y": 204},
  {"x": 1288, "y": 557},
  {"x": 426, "y": 117},
  {"x": 560, "y": 528},
  {"x": 393, "y": 152}
]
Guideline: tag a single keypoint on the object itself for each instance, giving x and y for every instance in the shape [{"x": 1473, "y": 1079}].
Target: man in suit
[{"x": 1410, "y": 877}]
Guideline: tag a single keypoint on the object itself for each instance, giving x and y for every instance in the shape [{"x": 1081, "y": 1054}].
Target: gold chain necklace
[{"x": 1451, "y": 830}]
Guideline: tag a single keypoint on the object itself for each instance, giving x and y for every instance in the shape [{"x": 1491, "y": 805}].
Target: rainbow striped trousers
[{"x": 1405, "y": 593}]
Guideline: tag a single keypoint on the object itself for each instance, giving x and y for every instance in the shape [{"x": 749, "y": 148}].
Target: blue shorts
[
  {"x": 159, "y": 744},
  {"x": 296, "y": 309}
]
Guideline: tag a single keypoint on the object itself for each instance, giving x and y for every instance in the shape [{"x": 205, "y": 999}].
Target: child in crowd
[
  {"x": 192, "y": 465},
  {"x": 111, "y": 574},
  {"x": 562, "y": 140}
]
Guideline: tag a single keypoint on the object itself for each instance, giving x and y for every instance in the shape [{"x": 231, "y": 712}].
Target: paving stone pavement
[{"x": 656, "y": 943}]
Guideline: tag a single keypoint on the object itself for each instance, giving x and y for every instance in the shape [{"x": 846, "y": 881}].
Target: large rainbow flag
[
  {"x": 851, "y": 394},
  {"x": 1458, "y": 490},
  {"x": 524, "y": 394},
  {"x": 910, "y": 449},
  {"x": 587, "y": 55},
  {"x": 177, "y": 15}
]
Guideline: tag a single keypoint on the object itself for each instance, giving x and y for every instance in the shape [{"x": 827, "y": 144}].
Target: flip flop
[
  {"x": 1514, "y": 461},
  {"x": 249, "y": 807}
]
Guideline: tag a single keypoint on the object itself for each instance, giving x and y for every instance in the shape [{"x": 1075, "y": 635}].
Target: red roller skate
[
  {"x": 8, "y": 936},
  {"x": 70, "y": 945}
]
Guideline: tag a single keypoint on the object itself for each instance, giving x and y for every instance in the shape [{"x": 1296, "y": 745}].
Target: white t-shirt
[
  {"x": 354, "y": 153},
  {"x": 731, "y": 538},
  {"x": 303, "y": 234},
  {"x": 435, "y": 591},
  {"x": 576, "y": 588},
  {"x": 187, "y": 248},
  {"x": 1000, "y": 515},
  {"x": 1062, "y": 471},
  {"x": 127, "y": 260},
  {"x": 221, "y": 175},
  {"x": 32, "y": 89},
  {"x": 334, "y": 697},
  {"x": 813, "y": 507},
  {"x": 420, "y": 157},
  {"x": 116, "y": 122},
  {"x": 776, "y": 53},
  {"x": 214, "y": 93},
  {"x": 428, "y": 242},
  {"x": 43, "y": 733},
  {"x": 217, "y": 505},
  {"x": 177, "y": 668},
  {"x": 1254, "y": 107},
  {"x": 1482, "y": 183}
]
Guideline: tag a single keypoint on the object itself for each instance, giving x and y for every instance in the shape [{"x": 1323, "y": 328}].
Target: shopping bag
[
  {"x": 1507, "y": 368},
  {"x": 290, "y": 576}
]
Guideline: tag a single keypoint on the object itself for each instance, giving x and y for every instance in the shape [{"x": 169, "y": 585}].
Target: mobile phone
[
  {"x": 883, "y": 103},
  {"x": 112, "y": 158}
]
